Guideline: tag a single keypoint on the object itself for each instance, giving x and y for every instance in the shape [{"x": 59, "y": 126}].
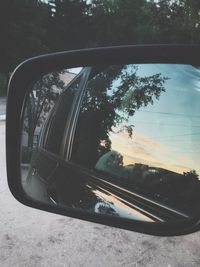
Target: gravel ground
[
  {"x": 2, "y": 105},
  {"x": 30, "y": 237}
]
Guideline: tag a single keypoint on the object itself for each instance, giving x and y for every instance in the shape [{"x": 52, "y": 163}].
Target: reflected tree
[
  {"x": 112, "y": 96},
  {"x": 191, "y": 175},
  {"x": 40, "y": 101}
]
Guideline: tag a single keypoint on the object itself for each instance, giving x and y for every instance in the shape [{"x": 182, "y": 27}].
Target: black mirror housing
[{"x": 33, "y": 69}]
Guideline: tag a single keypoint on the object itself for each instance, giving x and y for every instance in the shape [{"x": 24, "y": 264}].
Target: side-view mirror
[{"x": 109, "y": 135}]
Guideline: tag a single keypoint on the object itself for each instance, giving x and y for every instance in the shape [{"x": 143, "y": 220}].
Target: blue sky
[{"x": 166, "y": 134}]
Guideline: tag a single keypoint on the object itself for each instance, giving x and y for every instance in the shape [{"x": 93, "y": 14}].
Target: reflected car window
[{"x": 59, "y": 118}]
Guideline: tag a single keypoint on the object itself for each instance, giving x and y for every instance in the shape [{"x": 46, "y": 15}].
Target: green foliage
[
  {"x": 140, "y": 21},
  {"x": 23, "y": 33},
  {"x": 32, "y": 27},
  {"x": 69, "y": 25}
]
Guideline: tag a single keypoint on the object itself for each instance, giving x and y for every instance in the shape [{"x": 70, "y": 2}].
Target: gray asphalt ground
[{"x": 30, "y": 237}]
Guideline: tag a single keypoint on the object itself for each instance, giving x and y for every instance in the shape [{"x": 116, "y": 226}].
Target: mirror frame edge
[{"x": 27, "y": 72}]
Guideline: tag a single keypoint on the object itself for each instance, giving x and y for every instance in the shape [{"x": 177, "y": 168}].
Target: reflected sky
[{"x": 167, "y": 133}]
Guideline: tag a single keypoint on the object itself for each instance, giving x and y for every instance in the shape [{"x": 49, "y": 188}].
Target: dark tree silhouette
[
  {"x": 32, "y": 27},
  {"x": 112, "y": 96},
  {"x": 191, "y": 175},
  {"x": 23, "y": 30}
]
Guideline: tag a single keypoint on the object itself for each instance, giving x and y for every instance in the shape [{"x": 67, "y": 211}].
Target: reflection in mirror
[{"x": 120, "y": 140}]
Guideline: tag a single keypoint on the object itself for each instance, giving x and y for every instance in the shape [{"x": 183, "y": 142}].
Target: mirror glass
[{"x": 119, "y": 140}]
